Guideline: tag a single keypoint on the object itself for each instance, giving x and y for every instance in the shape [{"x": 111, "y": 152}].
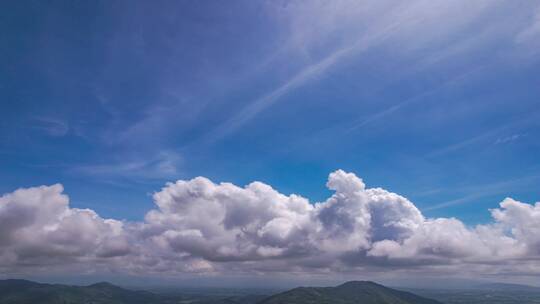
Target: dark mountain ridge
[
  {"x": 28, "y": 292},
  {"x": 364, "y": 292}
]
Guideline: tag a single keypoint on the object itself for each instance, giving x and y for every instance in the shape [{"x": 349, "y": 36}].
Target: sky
[{"x": 270, "y": 139}]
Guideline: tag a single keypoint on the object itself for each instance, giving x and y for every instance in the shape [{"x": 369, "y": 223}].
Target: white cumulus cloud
[
  {"x": 37, "y": 227},
  {"x": 203, "y": 227}
]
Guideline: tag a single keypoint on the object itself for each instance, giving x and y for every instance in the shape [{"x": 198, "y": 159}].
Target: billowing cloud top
[{"x": 202, "y": 227}]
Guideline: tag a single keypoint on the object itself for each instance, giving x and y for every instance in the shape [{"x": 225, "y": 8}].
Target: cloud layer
[{"x": 199, "y": 226}]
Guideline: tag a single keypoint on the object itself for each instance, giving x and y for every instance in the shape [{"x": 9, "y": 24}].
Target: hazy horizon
[{"x": 262, "y": 284}]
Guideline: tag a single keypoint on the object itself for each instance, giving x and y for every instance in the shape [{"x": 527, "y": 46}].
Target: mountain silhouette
[{"x": 357, "y": 292}]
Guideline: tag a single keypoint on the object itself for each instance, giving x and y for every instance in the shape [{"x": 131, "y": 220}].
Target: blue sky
[
  {"x": 437, "y": 102},
  {"x": 121, "y": 120}
]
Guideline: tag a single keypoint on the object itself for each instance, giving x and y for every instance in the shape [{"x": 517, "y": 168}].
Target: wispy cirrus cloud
[
  {"x": 495, "y": 134},
  {"x": 400, "y": 25},
  {"x": 164, "y": 165},
  {"x": 477, "y": 192},
  {"x": 51, "y": 126},
  {"x": 509, "y": 139}
]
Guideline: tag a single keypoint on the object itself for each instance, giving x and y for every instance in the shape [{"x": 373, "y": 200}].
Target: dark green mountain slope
[
  {"x": 357, "y": 292},
  {"x": 26, "y": 292}
]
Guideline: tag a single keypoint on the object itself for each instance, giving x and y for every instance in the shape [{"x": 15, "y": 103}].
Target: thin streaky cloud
[
  {"x": 161, "y": 166},
  {"x": 412, "y": 100},
  {"x": 484, "y": 191},
  {"x": 347, "y": 127},
  {"x": 308, "y": 73},
  {"x": 458, "y": 201},
  {"x": 465, "y": 143},
  {"x": 254, "y": 108},
  {"x": 52, "y": 126},
  {"x": 509, "y": 139},
  {"x": 489, "y": 134}
]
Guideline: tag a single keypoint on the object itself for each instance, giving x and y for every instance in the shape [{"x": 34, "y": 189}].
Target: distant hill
[
  {"x": 357, "y": 292},
  {"x": 27, "y": 292}
]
